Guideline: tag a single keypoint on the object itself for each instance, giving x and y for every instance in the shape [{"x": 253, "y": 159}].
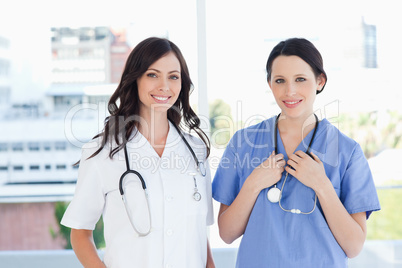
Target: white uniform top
[{"x": 179, "y": 223}]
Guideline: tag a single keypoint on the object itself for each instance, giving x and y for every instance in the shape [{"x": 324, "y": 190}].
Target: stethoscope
[
  {"x": 274, "y": 195},
  {"x": 196, "y": 195}
]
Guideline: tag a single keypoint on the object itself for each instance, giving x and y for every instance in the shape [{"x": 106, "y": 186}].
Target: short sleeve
[
  {"x": 358, "y": 192},
  {"x": 226, "y": 183},
  {"x": 88, "y": 202}
]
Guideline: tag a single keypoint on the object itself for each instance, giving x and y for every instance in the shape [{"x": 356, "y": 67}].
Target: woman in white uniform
[{"x": 150, "y": 181}]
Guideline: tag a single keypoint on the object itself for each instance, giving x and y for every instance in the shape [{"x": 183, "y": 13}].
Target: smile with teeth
[
  {"x": 161, "y": 98},
  {"x": 292, "y": 102}
]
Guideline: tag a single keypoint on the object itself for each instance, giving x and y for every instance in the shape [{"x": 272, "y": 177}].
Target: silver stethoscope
[
  {"x": 196, "y": 195},
  {"x": 274, "y": 195}
]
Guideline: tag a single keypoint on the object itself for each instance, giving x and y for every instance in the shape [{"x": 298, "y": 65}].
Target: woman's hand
[
  {"x": 233, "y": 219},
  {"x": 268, "y": 172},
  {"x": 349, "y": 230},
  {"x": 309, "y": 170},
  {"x": 84, "y": 247},
  {"x": 210, "y": 259},
  {"x": 210, "y": 265}
]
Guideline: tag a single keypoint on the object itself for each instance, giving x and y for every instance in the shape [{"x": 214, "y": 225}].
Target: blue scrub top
[{"x": 275, "y": 238}]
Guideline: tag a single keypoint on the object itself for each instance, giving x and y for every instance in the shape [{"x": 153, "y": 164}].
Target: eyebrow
[
  {"x": 281, "y": 76},
  {"x": 156, "y": 70}
]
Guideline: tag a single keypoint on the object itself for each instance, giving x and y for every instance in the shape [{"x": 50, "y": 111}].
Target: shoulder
[
  {"x": 196, "y": 143},
  {"x": 339, "y": 149},
  {"x": 335, "y": 135},
  {"x": 193, "y": 138},
  {"x": 90, "y": 147},
  {"x": 256, "y": 135},
  {"x": 263, "y": 125}
]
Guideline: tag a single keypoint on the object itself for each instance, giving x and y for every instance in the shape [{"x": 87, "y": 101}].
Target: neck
[
  {"x": 154, "y": 126},
  {"x": 295, "y": 126}
]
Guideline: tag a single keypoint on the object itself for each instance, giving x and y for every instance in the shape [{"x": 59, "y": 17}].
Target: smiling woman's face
[
  {"x": 294, "y": 86},
  {"x": 159, "y": 87}
]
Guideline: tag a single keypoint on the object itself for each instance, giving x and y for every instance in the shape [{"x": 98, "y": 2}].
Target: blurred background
[{"x": 61, "y": 60}]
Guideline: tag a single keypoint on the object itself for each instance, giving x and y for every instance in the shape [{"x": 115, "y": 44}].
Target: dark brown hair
[
  {"x": 124, "y": 104},
  {"x": 302, "y": 48}
]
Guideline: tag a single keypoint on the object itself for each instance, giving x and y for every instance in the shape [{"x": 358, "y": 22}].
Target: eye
[
  {"x": 174, "y": 77},
  {"x": 300, "y": 79},
  {"x": 151, "y": 75},
  {"x": 279, "y": 81}
]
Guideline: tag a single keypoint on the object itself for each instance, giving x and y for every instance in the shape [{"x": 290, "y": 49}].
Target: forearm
[
  {"x": 233, "y": 219},
  {"x": 85, "y": 249},
  {"x": 348, "y": 230}
]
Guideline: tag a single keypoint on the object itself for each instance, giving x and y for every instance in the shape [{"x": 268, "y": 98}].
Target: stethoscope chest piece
[{"x": 274, "y": 194}]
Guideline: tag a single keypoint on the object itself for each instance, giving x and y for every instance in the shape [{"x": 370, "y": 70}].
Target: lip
[
  {"x": 161, "y": 98},
  {"x": 292, "y": 103}
]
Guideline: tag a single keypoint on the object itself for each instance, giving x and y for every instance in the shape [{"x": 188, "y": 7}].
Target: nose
[
  {"x": 290, "y": 90},
  {"x": 164, "y": 84}
]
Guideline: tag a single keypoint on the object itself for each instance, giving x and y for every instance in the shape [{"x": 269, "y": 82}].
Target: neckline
[
  {"x": 170, "y": 136},
  {"x": 311, "y": 141}
]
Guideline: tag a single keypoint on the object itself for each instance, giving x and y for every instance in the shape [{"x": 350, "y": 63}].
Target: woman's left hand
[
  {"x": 210, "y": 265},
  {"x": 308, "y": 170}
]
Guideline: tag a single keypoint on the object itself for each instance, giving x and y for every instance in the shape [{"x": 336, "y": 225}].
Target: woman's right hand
[
  {"x": 268, "y": 172},
  {"x": 233, "y": 219},
  {"x": 84, "y": 247}
]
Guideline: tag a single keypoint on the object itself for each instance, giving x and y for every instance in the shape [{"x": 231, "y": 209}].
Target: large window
[{"x": 4, "y": 68}]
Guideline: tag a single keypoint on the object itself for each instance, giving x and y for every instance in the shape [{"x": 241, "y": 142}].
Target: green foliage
[
  {"x": 386, "y": 223},
  {"x": 64, "y": 232},
  {"x": 222, "y": 126},
  {"x": 59, "y": 209},
  {"x": 374, "y": 131},
  {"x": 98, "y": 234}
]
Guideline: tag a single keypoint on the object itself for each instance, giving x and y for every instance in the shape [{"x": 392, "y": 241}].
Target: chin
[
  {"x": 161, "y": 106},
  {"x": 293, "y": 114}
]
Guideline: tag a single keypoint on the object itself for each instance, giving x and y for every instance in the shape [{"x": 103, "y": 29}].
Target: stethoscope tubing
[
  {"x": 128, "y": 171},
  {"x": 198, "y": 163},
  {"x": 200, "y": 168},
  {"x": 294, "y": 210},
  {"x": 311, "y": 141}
]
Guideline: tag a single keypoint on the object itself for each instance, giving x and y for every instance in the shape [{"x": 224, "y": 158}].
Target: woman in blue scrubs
[{"x": 297, "y": 189}]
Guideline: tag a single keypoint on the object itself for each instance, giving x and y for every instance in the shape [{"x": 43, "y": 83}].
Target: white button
[
  {"x": 169, "y": 232},
  {"x": 169, "y": 198},
  {"x": 169, "y": 266}
]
